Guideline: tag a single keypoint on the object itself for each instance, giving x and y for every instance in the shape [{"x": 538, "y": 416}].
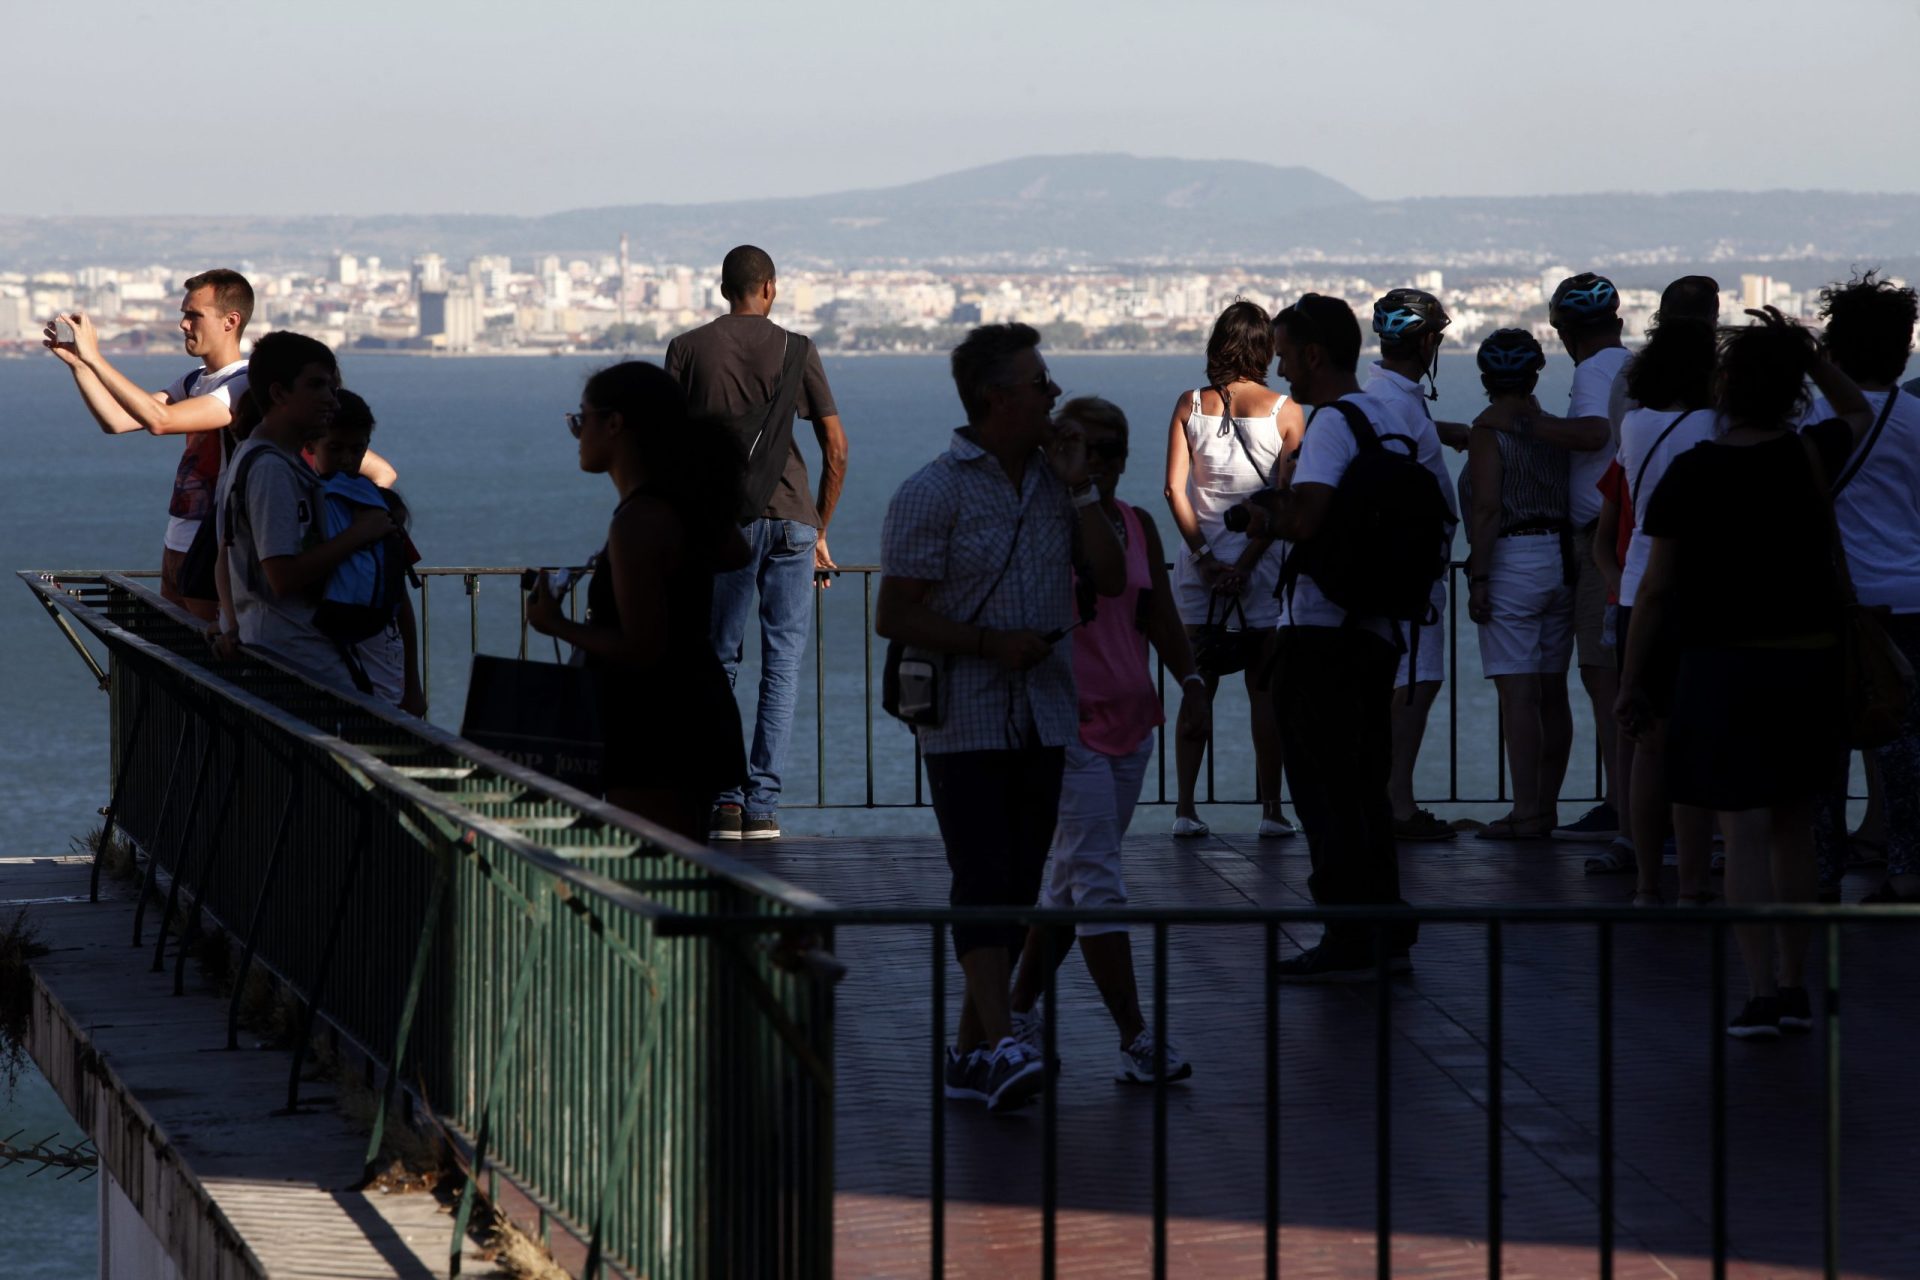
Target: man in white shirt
[
  {"x": 1585, "y": 312},
  {"x": 1335, "y": 674},
  {"x": 213, "y": 315},
  {"x": 1411, "y": 325},
  {"x": 1869, "y": 333}
]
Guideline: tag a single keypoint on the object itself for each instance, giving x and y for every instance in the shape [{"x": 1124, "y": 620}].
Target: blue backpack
[{"x": 364, "y": 590}]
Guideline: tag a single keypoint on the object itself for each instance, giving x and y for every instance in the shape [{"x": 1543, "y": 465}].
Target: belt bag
[{"x": 913, "y": 680}]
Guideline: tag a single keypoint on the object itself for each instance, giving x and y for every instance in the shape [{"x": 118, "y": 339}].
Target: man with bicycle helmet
[
  {"x": 1585, "y": 312},
  {"x": 1411, "y": 324}
]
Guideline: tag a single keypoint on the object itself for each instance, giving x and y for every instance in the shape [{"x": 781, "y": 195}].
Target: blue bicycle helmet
[
  {"x": 1510, "y": 357},
  {"x": 1408, "y": 313},
  {"x": 1582, "y": 298}
]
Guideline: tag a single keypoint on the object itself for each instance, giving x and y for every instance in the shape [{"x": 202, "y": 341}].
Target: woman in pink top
[{"x": 1119, "y": 710}]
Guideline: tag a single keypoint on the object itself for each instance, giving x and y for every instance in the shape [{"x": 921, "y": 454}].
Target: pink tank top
[{"x": 1118, "y": 705}]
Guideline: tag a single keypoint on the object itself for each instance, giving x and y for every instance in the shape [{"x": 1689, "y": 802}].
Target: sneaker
[
  {"x": 1796, "y": 1011},
  {"x": 1014, "y": 1077},
  {"x": 1185, "y": 828},
  {"x": 1597, "y": 823},
  {"x": 1760, "y": 1020},
  {"x": 767, "y": 828},
  {"x": 966, "y": 1074},
  {"x": 1422, "y": 826},
  {"x": 1276, "y": 828},
  {"x": 1317, "y": 964},
  {"x": 1137, "y": 1062},
  {"x": 725, "y": 823},
  {"x": 1030, "y": 1028}
]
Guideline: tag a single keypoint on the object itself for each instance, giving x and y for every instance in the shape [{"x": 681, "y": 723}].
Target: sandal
[
  {"x": 1616, "y": 859},
  {"x": 1513, "y": 827}
]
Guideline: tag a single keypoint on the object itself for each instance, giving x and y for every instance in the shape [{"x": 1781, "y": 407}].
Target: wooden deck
[{"x": 1216, "y": 1156}]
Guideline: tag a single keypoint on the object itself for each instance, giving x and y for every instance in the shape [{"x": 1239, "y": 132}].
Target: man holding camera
[
  {"x": 213, "y": 315},
  {"x": 977, "y": 557}
]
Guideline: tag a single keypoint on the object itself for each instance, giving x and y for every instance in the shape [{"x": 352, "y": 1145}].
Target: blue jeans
[{"x": 781, "y": 571}]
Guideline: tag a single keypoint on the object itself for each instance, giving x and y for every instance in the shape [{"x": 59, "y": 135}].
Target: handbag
[
  {"x": 1222, "y": 645},
  {"x": 1876, "y": 678},
  {"x": 544, "y": 715},
  {"x": 912, "y": 680}
]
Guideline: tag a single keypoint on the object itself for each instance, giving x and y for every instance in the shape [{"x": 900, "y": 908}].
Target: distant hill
[{"x": 1057, "y": 210}]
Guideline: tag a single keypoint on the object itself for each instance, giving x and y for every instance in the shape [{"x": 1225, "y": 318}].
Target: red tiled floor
[{"x": 1438, "y": 1065}]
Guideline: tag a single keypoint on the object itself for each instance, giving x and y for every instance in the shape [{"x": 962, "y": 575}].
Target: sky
[{"x": 122, "y": 107}]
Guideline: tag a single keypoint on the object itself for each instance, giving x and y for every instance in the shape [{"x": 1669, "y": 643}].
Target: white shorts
[
  {"x": 1433, "y": 645},
  {"x": 1097, "y": 796},
  {"x": 1532, "y": 627}
]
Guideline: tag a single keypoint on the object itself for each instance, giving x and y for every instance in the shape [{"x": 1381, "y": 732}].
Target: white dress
[{"x": 1229, "y": 458}]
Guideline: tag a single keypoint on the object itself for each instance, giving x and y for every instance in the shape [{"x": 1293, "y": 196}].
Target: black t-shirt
[
  {"x": 1754, "y": 543},
  {"x": 732, "y": 365}
]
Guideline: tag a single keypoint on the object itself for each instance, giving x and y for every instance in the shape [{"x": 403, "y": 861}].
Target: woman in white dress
[{"x": 1228, "y": 439}]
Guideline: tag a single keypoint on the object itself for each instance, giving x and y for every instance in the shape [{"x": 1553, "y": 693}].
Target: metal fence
[
  {"x": 843, "y": 694},
  {"x": 492, "y": 939}
]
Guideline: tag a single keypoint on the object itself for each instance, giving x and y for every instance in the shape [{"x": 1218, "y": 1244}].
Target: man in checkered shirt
[{"x": 977, "y": 560}]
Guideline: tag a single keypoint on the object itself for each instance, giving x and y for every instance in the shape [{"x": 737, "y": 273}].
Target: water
[{"x": 490, "y": 472}]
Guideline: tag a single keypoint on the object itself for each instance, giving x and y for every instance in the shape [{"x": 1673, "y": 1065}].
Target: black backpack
[
  {"x": 765, "y": 431},
  {"x": 1383, "y": 542}
]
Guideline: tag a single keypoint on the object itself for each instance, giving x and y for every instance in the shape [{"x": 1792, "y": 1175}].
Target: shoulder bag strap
[
  {"x": 1823, "y": 494},
  {"x": 1006, "y": 564},
  {"x": 1633, "y": 494},
  {"x": 1859, "y": 458}
]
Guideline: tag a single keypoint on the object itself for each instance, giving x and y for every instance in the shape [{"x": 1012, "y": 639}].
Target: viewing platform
[{"x": 669, "y": 1061}]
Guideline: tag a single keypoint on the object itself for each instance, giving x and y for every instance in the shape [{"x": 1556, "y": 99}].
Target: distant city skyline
[{"x": 364, "y": 108}]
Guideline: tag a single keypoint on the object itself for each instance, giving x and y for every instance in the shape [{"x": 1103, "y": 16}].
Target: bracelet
[
  {"x": 1201, "y": 552},
  {"x": 1190, "y": 677},
  {"x": 1085, "y": 496}
]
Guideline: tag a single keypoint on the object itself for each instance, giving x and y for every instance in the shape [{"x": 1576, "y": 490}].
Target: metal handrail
[
  {"x": 487, "y": 936},
  {"x": 1158, "y": 793}
]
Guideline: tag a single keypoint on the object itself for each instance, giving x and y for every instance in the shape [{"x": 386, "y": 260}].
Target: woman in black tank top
[{"x": 672, "y": 728}]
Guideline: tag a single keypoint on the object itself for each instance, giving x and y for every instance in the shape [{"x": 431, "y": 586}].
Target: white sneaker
[
  {"x": 1136, "y": 1063},
  {"x": 1190, "y": 828},
  {"x": 1030, "y": 1028},
  {"x": 1276, "y": 828}
]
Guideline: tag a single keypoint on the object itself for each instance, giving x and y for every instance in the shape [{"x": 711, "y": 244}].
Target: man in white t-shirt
[
  {"x": 1411, "y": 325},
  {"x": 1334, "y": 678},
  {"x": 269, "y": 512},
  {"x": 213, "y": 315},
  {"x": 1869, "y": 333},
  {"x": 1585, "y": 311}
]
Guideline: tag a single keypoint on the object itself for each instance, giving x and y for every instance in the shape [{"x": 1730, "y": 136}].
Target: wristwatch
[{"x": 1201, "y": 552}]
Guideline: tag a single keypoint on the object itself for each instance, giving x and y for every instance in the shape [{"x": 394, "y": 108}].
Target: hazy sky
[{"x": 375, "y": 106}]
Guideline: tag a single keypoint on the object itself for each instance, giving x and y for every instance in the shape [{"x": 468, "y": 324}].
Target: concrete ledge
[{"x": 186, "y": 1128}]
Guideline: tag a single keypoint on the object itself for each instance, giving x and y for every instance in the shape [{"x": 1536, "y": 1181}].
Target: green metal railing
[{"x": 492, "y": 939}]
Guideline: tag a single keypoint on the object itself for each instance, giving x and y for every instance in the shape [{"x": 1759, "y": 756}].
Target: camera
[
  {"x": 62, "y": 331},
  {"x": 559, "y": 581},
  {"x": 1237, "y": 517}
]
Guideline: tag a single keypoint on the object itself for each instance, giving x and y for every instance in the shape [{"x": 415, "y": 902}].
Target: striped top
[{"x": 1535, "y": 484}]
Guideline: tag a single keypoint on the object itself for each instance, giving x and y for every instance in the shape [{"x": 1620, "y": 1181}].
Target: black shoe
[
  {"x": 966, "y": 1074},
  {"x": 1760, "y": 1020},
  {"x": 725, "y": 823},
  {"x": 1014, "y": 1076},
  {"x": 1318, "y": 964},
  {"x": 1796, "y": 1011},
  {"x": 767, "y": 828}
]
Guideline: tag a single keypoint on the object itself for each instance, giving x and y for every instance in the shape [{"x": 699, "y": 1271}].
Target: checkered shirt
[{"x": 952, "y": 523}]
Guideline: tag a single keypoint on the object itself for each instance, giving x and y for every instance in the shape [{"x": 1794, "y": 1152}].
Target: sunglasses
[{"x": 576, "y": 421}]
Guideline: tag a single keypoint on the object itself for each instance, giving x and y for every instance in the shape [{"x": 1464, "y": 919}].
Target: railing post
[
  {"x": 1831, "y": 1025},
  {"x": 444, "y": 857},
  {"x": 473, "y": 612},
  {"x": 820, "y": 688},
  {"x": 317, "y": 988},
  {"x": 1273, "y": 1100},
  {"x": 190, "y": 924},
  {"x": 1496, "y": 1068},
  {"x": 866, "y": 669},
  {"x": 280, "y": 832},
  {"x": 180, "y": 845},
  {"x": 1717, "y": 1057},
  {"x": 615, "y": 1167},
  {"x": 537, "y": 917},
  {"x": 426, "y": 637},
  {"x": 1049, "y": 1113},
  {"x": 119, "y": 787},
  {"x": 1160, "y": 1098},
  {"x": 1606, "y": 1100},
  {"x": 1382, "y": 1107},
  {"x": 937, "y": 1200}
]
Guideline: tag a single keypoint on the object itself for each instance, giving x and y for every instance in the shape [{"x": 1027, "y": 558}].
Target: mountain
[{"x": 1058, "y": 210}]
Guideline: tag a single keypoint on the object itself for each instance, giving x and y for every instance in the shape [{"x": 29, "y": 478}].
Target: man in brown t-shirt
[{"x": 731, "y": 368}]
